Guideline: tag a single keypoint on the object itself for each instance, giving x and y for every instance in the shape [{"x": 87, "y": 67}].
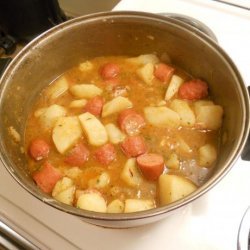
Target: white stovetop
[{"x": 209, "y": 223}]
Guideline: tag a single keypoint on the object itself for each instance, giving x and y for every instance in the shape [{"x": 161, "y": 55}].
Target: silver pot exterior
[{"x": 120, "y": 33}]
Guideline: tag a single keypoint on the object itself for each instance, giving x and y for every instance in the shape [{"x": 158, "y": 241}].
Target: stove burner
[{"x": 244, "y": 232}]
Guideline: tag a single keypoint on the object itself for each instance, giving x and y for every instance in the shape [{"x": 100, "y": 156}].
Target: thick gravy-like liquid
[{"x": 179, "y": 146}]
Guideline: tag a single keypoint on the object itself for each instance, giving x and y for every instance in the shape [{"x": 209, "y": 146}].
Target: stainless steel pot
[{"x": 120, "y": 33}]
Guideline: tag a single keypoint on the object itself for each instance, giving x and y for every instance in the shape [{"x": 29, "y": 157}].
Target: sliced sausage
[
  {"x": 193, "y": 90},
  {"x": 133, "y": 146},
  {"x": 163, "y": 72},
  {"x": 109, "y": 71},
  {"x": 39, "y": 149},
  {"x": 105, "y": 154},
  {"x": 130, "y": 121},
  {"x": 151, "y": 165},
  {"x": 78, "y": 155},
  {"x": 94, "y": 105},
  {"x": 47, "y": 177}
]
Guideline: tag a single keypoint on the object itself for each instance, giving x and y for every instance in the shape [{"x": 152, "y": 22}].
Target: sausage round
[
  {"x": 78, "y": 155},
  {"x": 105, "y": 154},
  {"x": 109, "y": 71},
  {"x": 133, "y": 146},
  {"x": 151, "y": 165},
  {"x": 130, "y": 122},
  {"x": 193, "y": 90},
  {"x": 47, "y": 177},
  {"x": 39, "y": 149},
  {"x": 163, "y": 72},
  {"x": 94, "y": 105}
]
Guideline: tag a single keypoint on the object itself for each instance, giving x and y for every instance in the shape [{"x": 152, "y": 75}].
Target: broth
[{"x": 178, "y": 145}]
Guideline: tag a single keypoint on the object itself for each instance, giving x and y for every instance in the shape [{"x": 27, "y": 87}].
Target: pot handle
[
  {"x": 246, "y": 151},
  {"x": 192, "y": 22},
  {"x": 4, "y": 62}
]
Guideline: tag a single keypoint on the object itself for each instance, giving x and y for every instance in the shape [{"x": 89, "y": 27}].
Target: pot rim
[{"x": 110, "y": 17}]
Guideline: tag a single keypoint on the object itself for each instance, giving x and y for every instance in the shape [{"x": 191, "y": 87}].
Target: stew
[{"x": 123, "y": 134}]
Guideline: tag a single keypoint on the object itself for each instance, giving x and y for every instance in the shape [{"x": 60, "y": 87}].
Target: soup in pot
[{"x": 121, "y": 134}]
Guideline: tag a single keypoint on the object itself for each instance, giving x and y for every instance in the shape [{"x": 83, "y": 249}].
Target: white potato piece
[
  {"x": 172, "y": 162},
  {"x": 115, "y": 206},
  {"x": 100, "y": 181},
  {"x": 66, "y": 196},
  {"x": 85, "y": 90},
  {"x": 64, "y": 191},
  {"x": 57, "y": 88},
  {"x": 146, "y": 73},
  {"x": 94, "y": 129},
  {"x": 62, "y": 185},
  {"x": 162, "y": 117},
  {"x": 116, "y": 105},
  {"x": 78, "y": 103},
  {"x": 131, "y": 174},
  {"x": 209, "y": 117},
  {"x": 173, "y": 87},
  {"x": 144, "y": 59},
  {"x": 86, "y": 66},
  {"x": 49, "y": 117},
  {"x": 92, "y": 200},
  {"x": 185, "y": 112},
  {"x": 207, "y": 155},
  {"x": 115, "y": 135},
  {"x": 66, "y": 132},
  {"x": 173, "y": 188},
  {"x": 136, "y": 205},
  {"x": 200, "y": 103},
  {"x": 73, "y": 172}
]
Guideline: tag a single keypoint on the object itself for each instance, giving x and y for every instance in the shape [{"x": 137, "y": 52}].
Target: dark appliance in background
[{"x": 23, "y": 20}]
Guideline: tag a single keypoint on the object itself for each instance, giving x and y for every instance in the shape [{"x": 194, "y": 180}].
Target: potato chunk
[
  {"x": 173, "y": 87},
  {"x": 146, "y": 73},
  {"x": 73, "y": 172},
  {"x": 100, "y": 181},
  {"x": 114, "y": 133},
  {"x": 162, "y": 117},
  {"x": 58, "y": 88},
  {"x": 136, "y": 205},
  {"x": 92, "y": 200},
  {"x": 209, "y": 117},
  {"x": 85, "y": 91},
  {"x": 85, "y": 66},
  {"x": 200, "y": 103},
  {"x": 144, "y": 59},
  {"x": 78, "y": 103},
  {"x": 185, "y": 112},
  {"x": 173, "y": 161},
  {"x": 173, "y": 188},
  {"x": 64, "y": 191},
  {"x": 131, "y": 174},
  {"x": 50, "y": 115},
  {"x": 94, "y": 129},
  {"x": 116, "y": 105},
  {"x": 207, "y": 155},
  {"x": 66, "y": 132},
  {"x": 115, "y": 206}
]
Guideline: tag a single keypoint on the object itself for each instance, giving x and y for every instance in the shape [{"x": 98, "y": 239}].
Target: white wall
[{"x": 81, "y": 7}]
